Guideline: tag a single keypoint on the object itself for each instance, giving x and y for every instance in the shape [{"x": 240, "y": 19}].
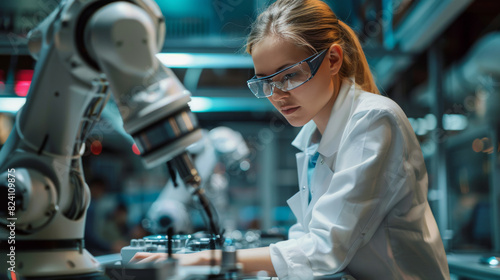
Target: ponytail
[{"x": 355, "y": 63}]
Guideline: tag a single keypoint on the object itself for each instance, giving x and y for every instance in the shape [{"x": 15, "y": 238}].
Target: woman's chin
[{"x": 295, "y": 122}]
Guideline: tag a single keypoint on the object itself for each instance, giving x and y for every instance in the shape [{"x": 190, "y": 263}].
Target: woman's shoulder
[{"x": 371, "y": 103}]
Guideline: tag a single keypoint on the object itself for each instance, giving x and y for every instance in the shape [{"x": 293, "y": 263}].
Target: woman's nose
[{"x": 279, "y": 94}]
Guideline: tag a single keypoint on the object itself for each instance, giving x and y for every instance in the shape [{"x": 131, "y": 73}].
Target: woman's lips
[{"x": 289, "y": 110}]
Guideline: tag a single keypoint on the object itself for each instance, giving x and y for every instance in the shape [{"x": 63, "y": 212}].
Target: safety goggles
[{"x": 288, "y": 78}]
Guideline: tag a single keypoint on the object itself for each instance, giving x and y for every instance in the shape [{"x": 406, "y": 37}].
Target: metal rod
[
  {"x": 439, "y": 164},
  {"x": 495, "y": 188}
]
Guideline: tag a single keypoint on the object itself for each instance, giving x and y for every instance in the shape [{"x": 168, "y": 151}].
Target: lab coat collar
[{"x": 330, "y": 140}]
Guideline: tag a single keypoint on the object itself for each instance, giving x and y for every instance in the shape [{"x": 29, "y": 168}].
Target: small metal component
[
  {"x": 134, "y": 243},
  {"x": 229, "y": 263}
]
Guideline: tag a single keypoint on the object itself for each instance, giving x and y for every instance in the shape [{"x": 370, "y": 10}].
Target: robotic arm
[{"x": 84, "y": 47}]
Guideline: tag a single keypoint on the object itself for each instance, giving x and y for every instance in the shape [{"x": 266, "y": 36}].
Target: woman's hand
[
  {"x": 198, "y": 258},
  {"x": 143, "y": 257}
]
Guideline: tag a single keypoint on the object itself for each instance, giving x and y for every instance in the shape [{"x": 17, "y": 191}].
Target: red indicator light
[
  {"x": 23, "y": 82},
  {"x": 96, "y": 147},
  {"x": 136, "y": 150}
]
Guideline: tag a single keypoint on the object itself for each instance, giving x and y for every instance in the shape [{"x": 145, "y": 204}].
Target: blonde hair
[{"x": 313, "y": 25}]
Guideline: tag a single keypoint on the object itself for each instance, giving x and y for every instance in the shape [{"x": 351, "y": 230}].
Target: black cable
[
  {"x": 209, "y": 211},
  {"x": 172, "y": 174},
  {"x": 170, "y": 234}
]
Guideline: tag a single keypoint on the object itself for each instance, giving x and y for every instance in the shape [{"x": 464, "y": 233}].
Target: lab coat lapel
[
  {"x": 322, "y": 176},
  {"x": 304, "y": 185},
  {"x": 298, "y": 202},
  {"x": 294, "y": 203}
]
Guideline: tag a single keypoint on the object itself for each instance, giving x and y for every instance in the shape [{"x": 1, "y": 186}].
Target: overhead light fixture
[
  {"x": 205, "y": 60},
  {"x": 11, "y": 104}
]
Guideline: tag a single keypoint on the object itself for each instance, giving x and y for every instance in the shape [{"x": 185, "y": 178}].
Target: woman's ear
[{"x": 335, "y": 58}]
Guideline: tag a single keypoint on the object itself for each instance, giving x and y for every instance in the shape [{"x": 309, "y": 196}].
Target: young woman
[{"x": 362, "y": 201}]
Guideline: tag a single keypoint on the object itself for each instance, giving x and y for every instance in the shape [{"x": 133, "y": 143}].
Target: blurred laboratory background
[{"x": 438, "y": 59}]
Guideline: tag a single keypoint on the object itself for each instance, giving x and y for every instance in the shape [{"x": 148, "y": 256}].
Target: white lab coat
[{"x": 369, "y": 211}]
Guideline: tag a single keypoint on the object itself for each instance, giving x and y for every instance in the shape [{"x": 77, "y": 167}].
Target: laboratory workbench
[{"x": 468, "y": 265}]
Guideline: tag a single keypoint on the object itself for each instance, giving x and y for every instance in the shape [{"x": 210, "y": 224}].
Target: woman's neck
[{"x": 321, "y": 119}]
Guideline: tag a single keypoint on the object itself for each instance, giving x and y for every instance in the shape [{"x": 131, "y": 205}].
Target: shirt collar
[{"x": 330, "y": 139}]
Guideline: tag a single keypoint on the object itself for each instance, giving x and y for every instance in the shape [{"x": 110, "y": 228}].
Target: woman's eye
[{"x": 289, "y": 76}]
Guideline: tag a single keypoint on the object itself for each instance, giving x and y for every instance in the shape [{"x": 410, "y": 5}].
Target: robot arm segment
[{"x": 152, "y": 101}]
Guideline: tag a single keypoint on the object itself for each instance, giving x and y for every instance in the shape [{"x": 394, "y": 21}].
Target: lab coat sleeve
[
  {"x": 296, "y": 231},
  {"x": 369, "y": 179}
]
